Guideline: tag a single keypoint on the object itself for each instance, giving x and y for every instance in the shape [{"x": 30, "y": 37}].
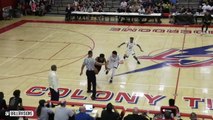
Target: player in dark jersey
[{"x": 100, "y": 59}]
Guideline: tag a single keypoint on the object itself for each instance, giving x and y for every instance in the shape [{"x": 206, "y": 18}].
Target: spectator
[
  {"x": 158, "y": 117},
  {"x": 149, "y": 10},
  {"x": 3, "y": 106},
  {"x": 63, "y": 113},
  {"x": 135, "y": 115},
  {"x": 41, "y": 9},
  {"x": 43, "y": 112},
  {"x": 172, "y": 104},
  {"x": 15, "y": 103},
  {"x": 75, "y": 5},
  {"x": 173, "y": 10},
  {"x": 141, "y": 10},
  {"x": 109, "y": 114},
  {"x": 182, "y": 10},
  {"x": 69, "y": 10},
  {"x": 82, "y": 115},
  {"x": 123, "y": 6},
  {"x": 90, "y": 9},
  {"x": 193, "y": 116},
  {"x": 33, "y": 6},
  {"x": 199, "y": 9}
]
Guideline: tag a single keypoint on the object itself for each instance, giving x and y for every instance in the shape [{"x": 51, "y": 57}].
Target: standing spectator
[
  {"x": 135, "y": 115},
  {"x": 69, "y": 10},
  {"x": 43, "y": 112},
  {"x": 82, "y": 115},
  {"x": 53, "y": 83},
  {"x": 90, "y": 63},
  {"x": 109, "y": 114},
  {"x": 63, "y": 113},
  {"x": 206, "y": 22},
  {"x": 3, "y": 106}
]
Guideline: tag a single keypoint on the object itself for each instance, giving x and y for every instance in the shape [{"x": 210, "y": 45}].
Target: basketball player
[
  {"x": 112, "y": 63},
  {"x": 206, "y": 22},
  {"x": 100, "y": 59},
  {"x": 130, "y": 49}
]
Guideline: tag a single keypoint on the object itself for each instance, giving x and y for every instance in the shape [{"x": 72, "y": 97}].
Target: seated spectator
[
  {"x": 123, "y": 6},
  {"x": 141, "y": 10},
  {"x": 75, "y": 5},
  {"x": 193, "y": 116},
  {"x": 82, "y": 115},
  {"x": 182, "y": 9},
  {"x": 158, "y": 117},
  {"x": 41, "y": 9},
  {"x": 33, "y": 6},
  {"x": 109, "y": 114},
  {"x": 134, "y": 8},
  {"x": 63, "y": 113},
  {"x": 156, "y": 10},
  {"x": 149, "y": 10},
  {"x": 15, "y": 103},
  {"x": 168, "y": 115},
  {"x": 135, "y": 115},
  {"x": 199, "y": 9},
  {"x": 90, "y": 9},
  {"x": 172, "y": 104},
  {"x": 43, "y": 112},
  {"x": 172, "y": 11},
  {"x": 3, "y": 106}
]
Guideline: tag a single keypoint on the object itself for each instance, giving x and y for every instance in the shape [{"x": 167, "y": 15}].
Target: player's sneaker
[
  {"x": 138, "y": 62},
  {"x": 89, "y": 91},
  {"x": 110, "y": 81},
  {"x": 93, "y": 98},
  {"x": 107, "y": 72}
]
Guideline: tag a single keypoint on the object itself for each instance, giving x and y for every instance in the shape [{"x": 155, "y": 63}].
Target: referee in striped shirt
[{"x": 90, "y": 63}]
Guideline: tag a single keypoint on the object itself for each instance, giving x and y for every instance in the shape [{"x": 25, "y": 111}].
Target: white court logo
[{"x": 19, "y": 113}]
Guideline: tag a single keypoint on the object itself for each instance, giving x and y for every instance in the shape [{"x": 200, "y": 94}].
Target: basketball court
[{"x": 177, "y": 62}]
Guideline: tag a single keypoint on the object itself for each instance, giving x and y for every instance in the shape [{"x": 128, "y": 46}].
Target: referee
[{"x": 90, "y": 63}]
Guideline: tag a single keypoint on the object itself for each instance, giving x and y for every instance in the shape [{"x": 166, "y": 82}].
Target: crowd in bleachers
[
  {"x": 44, "y": 111},
  {"x": 28, "y": 7},
  {"x": 144, "y": 6},
  {"x": 34, "y": 7}
]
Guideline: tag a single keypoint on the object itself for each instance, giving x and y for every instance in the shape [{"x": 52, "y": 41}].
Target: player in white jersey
[
  {"x": 112, "y": 63},
  {"x": 130, "y": 49}
]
